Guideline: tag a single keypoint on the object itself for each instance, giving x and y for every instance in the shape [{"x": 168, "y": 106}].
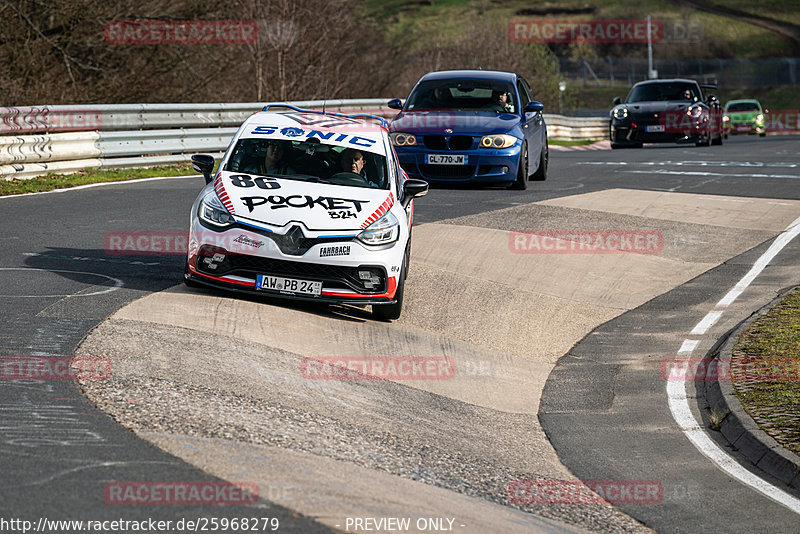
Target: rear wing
[{"x": 361, "y": 116}]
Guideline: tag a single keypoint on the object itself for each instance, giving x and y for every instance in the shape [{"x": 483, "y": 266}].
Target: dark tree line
[{"x": 55, "y": 52}]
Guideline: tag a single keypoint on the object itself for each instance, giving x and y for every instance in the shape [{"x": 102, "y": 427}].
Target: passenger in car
[{"x": 274, "y": 160}]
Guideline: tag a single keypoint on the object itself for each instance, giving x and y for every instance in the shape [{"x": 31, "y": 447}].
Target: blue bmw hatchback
[{"x": 478, "y": 126}]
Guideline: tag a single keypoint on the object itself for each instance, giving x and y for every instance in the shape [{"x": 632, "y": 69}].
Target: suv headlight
[
  {"x": 212, "y": 211},
  {"x": 498, "y": 141},
  {"x": 694, "y": 111},
  {"x": 382, "y": 232},
  {"x": 403, "y": 139},
  {"x": 620, "y": 113}
]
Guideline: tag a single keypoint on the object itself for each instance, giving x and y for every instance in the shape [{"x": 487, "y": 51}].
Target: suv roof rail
[{"x": 381, "y": 121}]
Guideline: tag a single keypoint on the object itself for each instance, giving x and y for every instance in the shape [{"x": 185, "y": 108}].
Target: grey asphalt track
[{"x": 58, "y": 452}]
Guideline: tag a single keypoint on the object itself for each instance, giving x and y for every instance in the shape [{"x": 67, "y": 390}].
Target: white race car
[{"x": 306, "y": 205}]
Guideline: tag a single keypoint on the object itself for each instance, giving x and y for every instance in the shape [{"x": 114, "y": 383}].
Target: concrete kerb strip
[{"x": 738, "y": 428}]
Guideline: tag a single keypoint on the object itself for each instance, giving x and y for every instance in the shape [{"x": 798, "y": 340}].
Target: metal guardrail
[
  {"x": 64, "y": 139},
  {"x": 574, "y": 128}
]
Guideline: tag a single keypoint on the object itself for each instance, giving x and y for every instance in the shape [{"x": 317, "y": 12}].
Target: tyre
[
  {"x": 706, "y": 141},
  {"x": 725, "y": 136},
  {"x": 718, "y": 140},
  {"x": 762, "y": 134},
  {"x": 521, "y": 182},
  {"x": 390, "y": 312},
  {"x": 544, "y": 160}
]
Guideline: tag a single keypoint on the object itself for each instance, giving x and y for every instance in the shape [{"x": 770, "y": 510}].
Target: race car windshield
[
  {"x": 662, "y": 92},
  {"x": 743, "y": 106},
  {"x": 309, "y": 160},
  {"x": 478, "y": 95}
]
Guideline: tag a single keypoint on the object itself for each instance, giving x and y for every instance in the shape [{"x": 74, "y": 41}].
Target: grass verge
[
  {"x": 570, "y": 142},
  {"x": 91, "y": 176},
  {"x": 772, "y": 398}
]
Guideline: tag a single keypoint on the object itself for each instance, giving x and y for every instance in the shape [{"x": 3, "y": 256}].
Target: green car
[{"x": 744, "y": 116}]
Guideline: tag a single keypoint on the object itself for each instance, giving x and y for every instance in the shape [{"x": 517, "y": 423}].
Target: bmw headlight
[
  {"x": 620, "y": 113},
  {"x": 382, "y": 232},
  {"x": 212, "y": 211},
  {"x": 403, "y": 139},
  {"x": 498, "y": 141}
]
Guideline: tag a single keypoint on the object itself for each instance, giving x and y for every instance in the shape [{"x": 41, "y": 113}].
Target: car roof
[
  {"x": 307, "y": 119},
  {"x": 667, "y": 80},
  {"x": 743, "y": 100},
  {"x": 473, "y": 74}
]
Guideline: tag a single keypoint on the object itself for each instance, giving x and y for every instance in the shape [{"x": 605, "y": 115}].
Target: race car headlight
[
  {"x": 759, "y": 118},
  {"x": 694, "y": 111},
  {"x": 382, "y": 232},
  {"x": 725, "y": 118},
  {"x": 213, "y": 212},
  {"x": 620, "y": 113},
  {"x": 403, "y": 139},
  {"x": 498, "y": 141}
]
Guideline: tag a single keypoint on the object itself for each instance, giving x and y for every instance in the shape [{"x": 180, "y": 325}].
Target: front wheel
[
  {"x": 390, "y": 312},
  {"x": 521, "y": 182},
  {"x": 706, "y": 141},
  {"x": 544, "y": 160}
]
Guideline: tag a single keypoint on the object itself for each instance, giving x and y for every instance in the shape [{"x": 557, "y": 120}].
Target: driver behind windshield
[
  {"x": 352, "y": 161},
  {"x": 499, "y": 102}
]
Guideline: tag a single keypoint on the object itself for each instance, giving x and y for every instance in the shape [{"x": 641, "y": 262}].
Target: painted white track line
[
  {"x": 676, "y": 389},
  {"x": 101, "y": 184}
]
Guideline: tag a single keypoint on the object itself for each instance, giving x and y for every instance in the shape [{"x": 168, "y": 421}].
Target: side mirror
[
  {"x": 765, "y": 111},
  {"x": 617, "y": 101},
  {"x": 204, "y": 164},
  {"x": 395, "y": 103},
  {"x": 711, "y": 98},
  {"x": 533, "y": 107},
  {"x": 414, "y": 188}
]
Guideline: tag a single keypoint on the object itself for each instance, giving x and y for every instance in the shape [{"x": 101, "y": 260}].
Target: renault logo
[{"x": 292, "y": 240}]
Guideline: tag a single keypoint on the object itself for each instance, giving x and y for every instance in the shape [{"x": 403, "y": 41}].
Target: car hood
[
  {"x": 460, "y": 122},
  {"x": 656, "y": 107},
  {"x": 272, "y": 203},
  {"x": 743, "y": 115}
]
